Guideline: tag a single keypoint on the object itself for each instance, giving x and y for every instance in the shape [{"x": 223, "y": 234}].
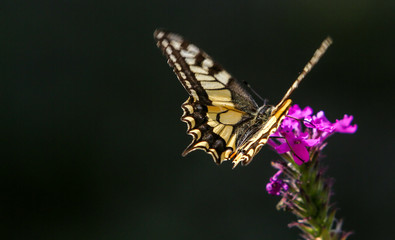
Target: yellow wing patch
[
  {"x": 222, "y": 95},
  {"x": 230, "y": 117}
]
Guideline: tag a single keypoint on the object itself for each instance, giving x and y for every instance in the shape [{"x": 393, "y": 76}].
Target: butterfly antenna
[
  {"x": 255, "y": 93},
  {"x": 313, "y": 61}
]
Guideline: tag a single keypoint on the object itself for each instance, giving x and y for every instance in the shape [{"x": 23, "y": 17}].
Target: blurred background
[{"x": 91, "y": 139}]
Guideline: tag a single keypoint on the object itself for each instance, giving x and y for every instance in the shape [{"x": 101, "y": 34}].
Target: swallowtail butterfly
[{"x": 222, "y": 117}]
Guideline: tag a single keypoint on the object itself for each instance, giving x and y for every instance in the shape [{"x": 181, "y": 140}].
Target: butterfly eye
[{"x": 269, "y": 110}]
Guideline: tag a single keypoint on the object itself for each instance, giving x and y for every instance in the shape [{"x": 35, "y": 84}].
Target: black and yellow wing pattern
[{"x": 222, "y": 117}]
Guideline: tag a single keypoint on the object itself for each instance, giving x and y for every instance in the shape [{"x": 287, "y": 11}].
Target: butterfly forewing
[{"x": 202, "y": 77}]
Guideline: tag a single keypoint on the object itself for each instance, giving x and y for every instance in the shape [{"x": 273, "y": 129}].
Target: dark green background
[{"x": 90, "y": 134}]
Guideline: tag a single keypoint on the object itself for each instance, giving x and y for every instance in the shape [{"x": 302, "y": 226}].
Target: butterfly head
[{"x": 264, "y": 112}]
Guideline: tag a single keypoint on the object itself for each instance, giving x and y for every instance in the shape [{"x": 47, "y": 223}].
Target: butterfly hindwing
[{"x": 209, "y": 134}]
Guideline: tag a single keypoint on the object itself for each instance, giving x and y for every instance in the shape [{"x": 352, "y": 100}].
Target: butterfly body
[{"x": 222, "y": 117}]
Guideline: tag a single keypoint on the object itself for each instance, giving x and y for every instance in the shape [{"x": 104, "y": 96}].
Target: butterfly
[{"x": 222, "y": 116}]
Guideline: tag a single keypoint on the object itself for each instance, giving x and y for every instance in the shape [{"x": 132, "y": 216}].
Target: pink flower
[
  {"x": 296, "y": 112},
  {"x": 320, "y": 122},
  {"x": 275, "y": 185},
  {"x": 343, "y": 125},
  {"x": 298, "y": 146},
  {"x": 297, "y": 138}
]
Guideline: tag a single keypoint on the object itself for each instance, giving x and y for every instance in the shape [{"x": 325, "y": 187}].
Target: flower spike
[{"x": 300, "y": 179}]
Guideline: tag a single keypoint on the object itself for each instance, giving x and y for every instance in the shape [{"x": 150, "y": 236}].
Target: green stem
[{"x": 309, "y": 199}]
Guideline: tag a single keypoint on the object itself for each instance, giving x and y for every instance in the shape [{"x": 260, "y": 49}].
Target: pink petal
[
  {"x": 307, "y": 111},
  {"x": 343, "y": 125},
  {"x": 296, "y": 112},
  {"x": 283, "y": 148},
  {"x": 293, "y": 110},
  {"x": 311, "y": 142},
  {"x": 272, "y": 143},
  {"x": 308, "y": 122},
  {"x": 300, "y": 153}
]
